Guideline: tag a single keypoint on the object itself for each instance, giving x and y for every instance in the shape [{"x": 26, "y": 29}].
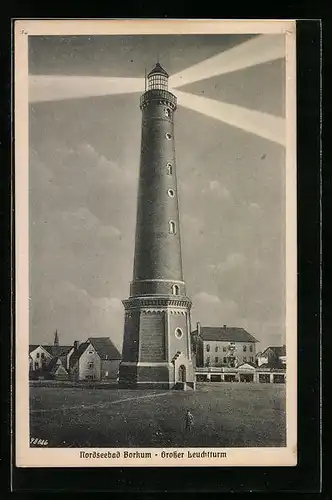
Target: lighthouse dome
[
  {"x": 158, "y": 78},
  {"x": 158, "y": 70}
]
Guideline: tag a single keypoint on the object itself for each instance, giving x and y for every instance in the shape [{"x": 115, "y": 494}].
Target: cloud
[
  {"x": 77, "y": 315},
  {"x": 206, "y": 298},
  {"x": 232, "y": 262},
  {"x": 209, "y": 309},
  {"x": 219, "y": 190},
  {"x": 254, "y": 206}
]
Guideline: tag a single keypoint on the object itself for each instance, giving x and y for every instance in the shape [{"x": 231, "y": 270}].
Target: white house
[{"x": 95, "y": 359}]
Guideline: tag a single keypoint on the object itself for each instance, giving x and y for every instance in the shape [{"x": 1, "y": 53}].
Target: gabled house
[
  {"x": 56, "y": 370},
  {"x": 61, "y": 351},
  {"x": 39, "y": 357},
  {"x": 95, "y": 359},
  {"x": 109, "y": 355},
  {"x": 273, "y": 356}
]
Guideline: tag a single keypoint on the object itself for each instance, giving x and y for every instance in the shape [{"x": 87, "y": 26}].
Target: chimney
[
  {"x": 76, "y": 343},
  {"x": 225, "y": 326},
  {"x": 198, "y": 329}
]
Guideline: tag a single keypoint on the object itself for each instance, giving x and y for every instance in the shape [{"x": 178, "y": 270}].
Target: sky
[{"x": 83, "y": 178}]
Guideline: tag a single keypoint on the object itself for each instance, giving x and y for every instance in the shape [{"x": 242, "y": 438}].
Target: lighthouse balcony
[{"x": 159, "y": 95}]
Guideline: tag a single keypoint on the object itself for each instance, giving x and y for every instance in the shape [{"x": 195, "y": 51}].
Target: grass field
[{"x": 226, "y": 415}]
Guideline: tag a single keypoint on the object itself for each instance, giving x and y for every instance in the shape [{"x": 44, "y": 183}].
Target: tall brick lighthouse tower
[{"x": 156, "y": 346}]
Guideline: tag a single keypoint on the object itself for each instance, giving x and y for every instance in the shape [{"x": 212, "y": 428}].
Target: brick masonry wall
[{"x": 152, "y": 337}]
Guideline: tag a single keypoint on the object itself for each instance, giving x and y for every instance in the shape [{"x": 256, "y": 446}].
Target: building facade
[
  {"x": 271, "y": 355},
  {"x": 96, "y": 359},
  {"x": 156, "y": 347},
  {"x": 223, "y": 346},
  {"x": 228, "y": 354}
]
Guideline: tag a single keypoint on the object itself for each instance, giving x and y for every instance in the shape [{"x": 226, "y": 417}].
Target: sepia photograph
[{"x": 155, "y": 176}]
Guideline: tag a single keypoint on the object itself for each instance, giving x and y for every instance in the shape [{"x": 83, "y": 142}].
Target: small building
[
  {"x": 95, "y": 359},
  {"x": 56, "y": 370},
  {"x": 109, "y": 356},
  {"x": 223, "y": 346},
  {"x": 272, "y": 355},
  {"x": 61, "y": 351},
  {"x": 39, "y": 357}
]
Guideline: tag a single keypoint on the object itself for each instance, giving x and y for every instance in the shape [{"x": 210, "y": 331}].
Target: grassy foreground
[{"x": 226, "y": 415}]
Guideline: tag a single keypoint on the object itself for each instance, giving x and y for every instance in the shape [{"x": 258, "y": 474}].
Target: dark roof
[
  {"x": 54, "y": 365},
  {"x": 228, "y": 333},
  {"x": 32, "y": 347},
  {"x": 276, "y": 364},
  {"x": 158, "y": 69},
  {"x": 105, "y": 348},
  {"x": 279, "y": 350},
  {"x": 60, "y": 350},
  {"x": 78, "y": 353}
]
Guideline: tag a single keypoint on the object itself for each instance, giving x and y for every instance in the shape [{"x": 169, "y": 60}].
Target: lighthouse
[{"x": 156, "y": 346}]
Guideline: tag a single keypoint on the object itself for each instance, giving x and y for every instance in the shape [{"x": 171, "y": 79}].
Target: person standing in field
[{"x": 189, "y": 421}]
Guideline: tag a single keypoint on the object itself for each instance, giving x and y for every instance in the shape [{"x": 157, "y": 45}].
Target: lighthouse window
[
  {"x": 167, "y": 112},
  {"x": 172, "y": 227},
  {"x": 178, "y": 333},
  {"x": 169, "y": 168},
  {"x": 168, "y": 136},
  {"x": 175, "y": 289},
  {"x": 170, "y": 193}
]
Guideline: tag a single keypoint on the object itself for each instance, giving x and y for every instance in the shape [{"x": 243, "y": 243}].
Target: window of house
[
  {"x": 168, "y": 136},
  {"x": 225, "y": 360},
  {"x": 90, "y": 352},
  {"x": 207, "y": 359},
  {"x": 36, "y": 366},
  {"x": 38, "y": 354},
  {"x": 244, "y": 359},
  {"x": 169, "y": 168},
  {"x": 90, "y": 365},
  {"x": 250, "y": 348},
  {"x": 216, "y": 348},
  {"x": 42, "y": 355},
  {"x": 175, "y": 289},
  {"x": 171, "y": 193},
  {"x": 178, "y": 333},
  {"x": 251, "y": 359},
  {"x": 208, "y": 347},
  {"x": 244, "y": 348},
  {"x": 172, "y": 227},
  {"x": 216, "y": 359},
  {"x": 224, "y": 349}
]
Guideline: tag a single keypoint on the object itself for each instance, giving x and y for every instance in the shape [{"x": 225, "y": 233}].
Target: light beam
[
  {"x": 57, "y": 88},
  {"x": 258, "y": 50},
  {"x": 262, "y": 124}
]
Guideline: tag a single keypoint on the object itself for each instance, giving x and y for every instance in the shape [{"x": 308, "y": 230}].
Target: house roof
[
  {"x": 228, "y": 333},
  {"x": 32, "y": 347},
  {"x": 78, "y": 353},
  {"x": 60, "y": 350},
  {"x": 278, "y": 350},
  {"x": 104, "y": 348},
  {"x": 54, "y": 365},
  {"x": 276, "y": 364}
]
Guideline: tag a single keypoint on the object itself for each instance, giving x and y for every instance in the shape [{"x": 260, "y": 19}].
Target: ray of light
[
  {"x": 56, "y": 88},
  {"x": 262, "y": 124},
  {"x": 258, "y": 50}
]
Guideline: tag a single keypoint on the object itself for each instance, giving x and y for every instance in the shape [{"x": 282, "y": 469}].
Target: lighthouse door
[{"x": 182, "y": 373}]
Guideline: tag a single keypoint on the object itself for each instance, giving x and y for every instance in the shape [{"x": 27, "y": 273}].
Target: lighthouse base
[{"x": 156, "y": 376}]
